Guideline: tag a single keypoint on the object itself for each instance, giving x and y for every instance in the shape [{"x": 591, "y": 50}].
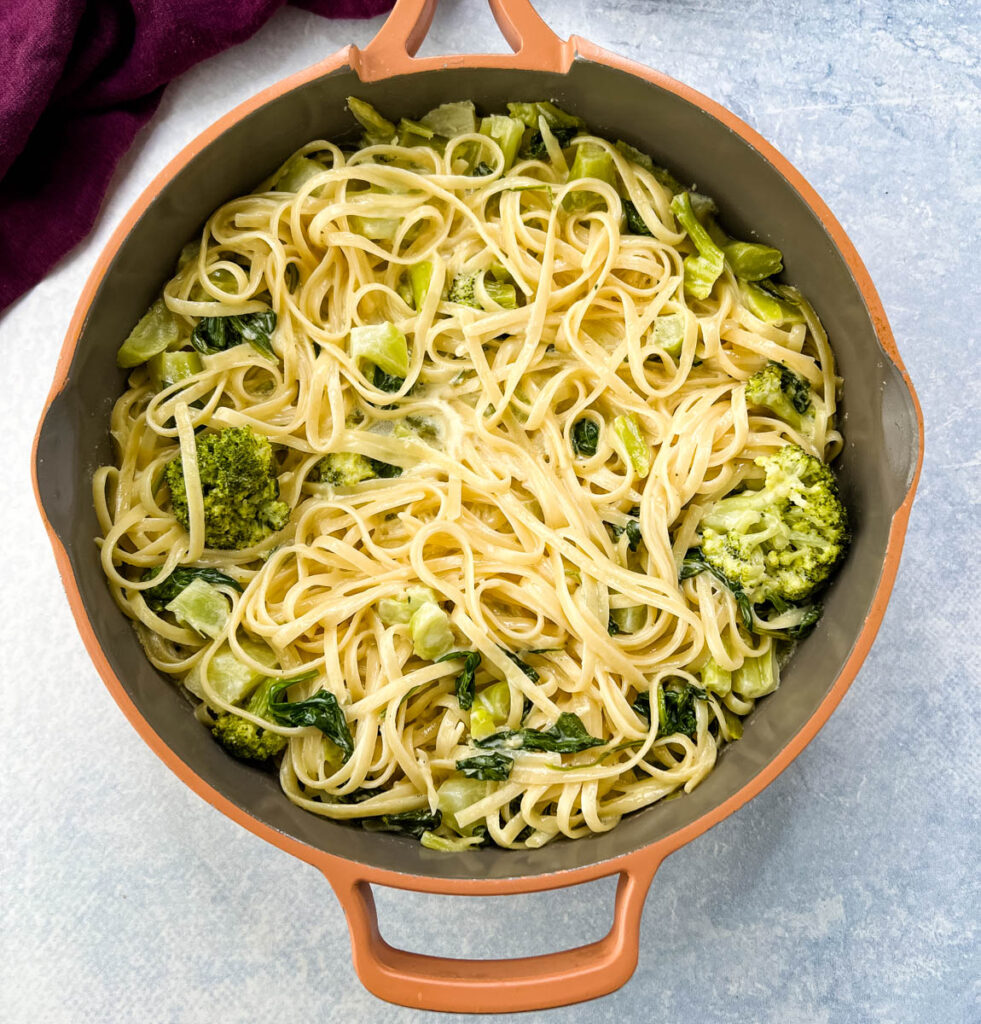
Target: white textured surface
[{"x": 847, "y": 891}]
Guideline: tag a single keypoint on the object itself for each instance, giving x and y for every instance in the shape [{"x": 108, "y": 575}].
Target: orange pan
[{"x": 761, "y": 195}]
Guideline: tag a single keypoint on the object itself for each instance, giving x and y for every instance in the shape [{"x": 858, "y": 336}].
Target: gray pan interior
[{"x": 878, "y": 421}]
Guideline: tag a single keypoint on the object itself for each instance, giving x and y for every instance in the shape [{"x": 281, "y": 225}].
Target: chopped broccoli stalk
[
  {"x": 430, "y": 630},
  {"x": 409, "y": 129},
  {"x": 481, "y": 723},
  {"x": 383, "y": 345},
  {"x": 638, "y": 450},
  {"x": 245, "y": 739},
  {"x": 495, "y": 701},
  {"x": 734, "y": 724},
  {"x": 503, "y": 294},
  {"x": 377, "y": 129},
  {"x": 460, "y": 844},
  {"x": 669, "y": 333},
  {"x": 403, "y": 288},
  {"x": 761, "y": 301},
  {"x": 202, "y": 607},
  {"x": 167, "y": 368},
  {"x": 715, "y": 678},
  {"x": 506, "y": 132},
  {"x": 393, "y": 610},
  {"x": 458, "y": 793},
  {"x": 629, "y": 620},
  {"x": 591, "y": 161},
  {"x": 783, "y": 541},
  {"x": 376, "y": 228},
  {"x": 704, "y": 269},
  {"x": 784, "y": 393},
  {"x": 159, "y": 596},
  {"x": 157, "y": 329},
  {"x": 451, "y": 119},
  {"x": 346, "y": 469},
  {"x": 757, "y": 677},
  {"x": 420, "y": 278},
  {"x": 555, "y": 117},
  {"x": 229, "y": 678},
  {"x": 238, "y": 486},
  {"x": 464, "y": 290},
  {"x": 297, "y": 172},
  {"x": 751, "y": 261}
]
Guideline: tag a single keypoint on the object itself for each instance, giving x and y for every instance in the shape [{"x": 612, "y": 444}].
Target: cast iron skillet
[{"x": 761, "y": 195}]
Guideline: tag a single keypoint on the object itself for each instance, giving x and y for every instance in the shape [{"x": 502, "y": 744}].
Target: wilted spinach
[
  {"x": 163, "y": 593},
  {"x": 320, "y": 710},
  {"x": 567, "y": 736},
  {"x": 216, "y": 333}
]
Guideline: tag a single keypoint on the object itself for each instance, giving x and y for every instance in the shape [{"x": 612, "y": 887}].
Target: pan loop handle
[
  {"x": 392, "y": 51},
  {"x": 495, "y": 986}
]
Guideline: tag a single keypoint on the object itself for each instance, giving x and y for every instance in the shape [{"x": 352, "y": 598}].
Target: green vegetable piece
[
  {"x": 753, "y": 262},
  {"x": 217, "y": 333},
  {"x": 239, "y": 487},
  {"x": 167, "y": 368},
  {"x": 757, "y": 677},
  {"x": 222, "y": 279},
  {"x": 715, "y": 678},
  {"x": 383, "y": 345},
  {"x": 297, "y": 173},
  {"x": 406, "y": 823},
  {"x": 495, "y": 700},
  {"x": 676, "y": 710},
  {"x": 762, "y": 302},
  {"x": 244, "y": 739},
  {"x": 291, "y": 275},
  {"x": 495, "y": 767},
  {"x": 669, "y": 333},
  {"x": 695, "y": 563},
  {"x": 591, "y": 161},
  {"x": 456, "y": 794},
  {"x": 465, "y": 680},
  {"x": 157, "y": 597},
  {"x": 629, "y": 620},
  {"x": 481, "y": 722},
  {"x": 376, "y": 228},
  {"x": 452, "y": 119},
  {"x": 503, "y": 294},
  {"x": 445, "y": 844},
  {"x": 734, "y": 724},
  {"x": 585, "y": 437},
  {"x": 783, "y": 541},
  {"x": 523, "y": 665},
  {"x": 420, "y": 278},
  {"x": 401, "y": 610},
  {"x": 567, "y": 736},
  {"x": 202, "y": 607},
  {"x": 320, "y": 711},
  {"x": 158, "y": 328},
  {"x": 506, "y": 132},
  {"x": 635, "y": 223},
  {"x": 404, "y": 290},
  {"x": 347, "y": 469},
  {"x": 430, "y": 630},
  {"x": 661, "y": 174},
  {"x": 776, "y": 387},
  {"x": 703, "y": 270},
  {"x": 464, "y": 290},
  {"x": 231, "y": 679},
  {"x": 413, "y": 128},
  {"x": 386, "y": 382},
  {"x": 631, "y": 529},
  {"x": 377, "y": 129},
  {"x": 638, "y": 450}
]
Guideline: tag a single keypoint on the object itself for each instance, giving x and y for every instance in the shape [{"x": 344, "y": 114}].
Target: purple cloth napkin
[{"x": 78, "y": 79}]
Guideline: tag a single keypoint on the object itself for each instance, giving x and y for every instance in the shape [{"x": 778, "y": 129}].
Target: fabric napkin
[{"x": 78, "y": 79}]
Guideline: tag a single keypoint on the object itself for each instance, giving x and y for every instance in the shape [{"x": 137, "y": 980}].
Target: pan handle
[
  {"x": 494, "y": 986},
  {"x": 392, "y": 50}
]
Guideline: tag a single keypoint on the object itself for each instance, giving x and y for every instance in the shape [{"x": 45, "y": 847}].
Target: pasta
[{"x": 533, "y": 480}]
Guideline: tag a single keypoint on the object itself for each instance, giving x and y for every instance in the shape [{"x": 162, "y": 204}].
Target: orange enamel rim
[{"x": 557, "y": 979}]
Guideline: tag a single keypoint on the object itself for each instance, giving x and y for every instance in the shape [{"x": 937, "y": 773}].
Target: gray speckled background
[{"x": 847, "y": 891}]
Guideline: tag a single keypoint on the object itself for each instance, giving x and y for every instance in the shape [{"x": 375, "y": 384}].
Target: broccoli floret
[
  {"x": 785, "y": 394},
  {"x": 345, "y": 469},
  {"x": 464, "y": 290},
  {"x": 239, "y": 486},
  {"x": 245, "y": 739},
  {"x": 779, "y": 543}
]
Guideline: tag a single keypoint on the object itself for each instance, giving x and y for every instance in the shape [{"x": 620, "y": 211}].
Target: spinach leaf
[
  {"x": 482, "y": 170},
  {"x": 385, "y": 470},
  {"x": 465, "y": 686},
  {"x": 675, "y": 709},
  {"x": 523, "y": 665},
  {"x": 805, "y": 627},
  {"x": 585, "y": 437},
  {"x": 387, "y": 382},
  {"x": 632, "y": 530},
  {"x": 535, "y": 146},
  {"x": 163, "y": 593},
  {"x": 635, "y": 223},
  {"x": 291, "y": 276},
  {"x": 567, "y": 736},
  {"x": 612, "y": 628},
  {"x": 407, "y": 823},
  {"x": 494, "y": 767},
  {"x": 216, "y": 333},
  {"x": 642, "y": 705},
  {"x": 694, "y": 563},
  {"x": 320, "y": 710}
]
